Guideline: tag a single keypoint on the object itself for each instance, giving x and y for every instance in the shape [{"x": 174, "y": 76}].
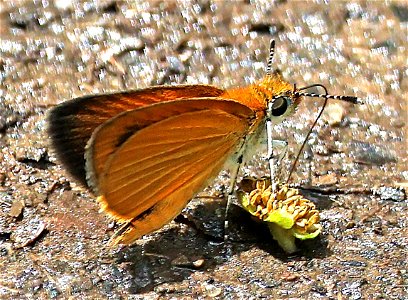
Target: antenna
[
  {"x": 271, "y": 53},
  {"x": 350, "y": 99},
  {"x": 326, "y": 97}
]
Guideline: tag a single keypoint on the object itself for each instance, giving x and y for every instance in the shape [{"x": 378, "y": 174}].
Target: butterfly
[{"x": 145, "y": 153}]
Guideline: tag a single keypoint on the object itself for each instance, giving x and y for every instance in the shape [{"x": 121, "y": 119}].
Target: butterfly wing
[
  {"x": 71, "y": 124},
  {"x": 156, "y": 167}
]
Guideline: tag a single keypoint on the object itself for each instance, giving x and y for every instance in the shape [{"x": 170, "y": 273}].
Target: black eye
[{"x": 280, "y": 105}]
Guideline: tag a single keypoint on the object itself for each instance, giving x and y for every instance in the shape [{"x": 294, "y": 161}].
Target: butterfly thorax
[{"x": 257, "y": 95}]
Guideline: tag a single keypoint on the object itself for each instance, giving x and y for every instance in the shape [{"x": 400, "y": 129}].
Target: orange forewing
[
  {"x": 71, "y": 124},
  {"x": 107, "y": 138},
  {"x": 157, "y": 166}
]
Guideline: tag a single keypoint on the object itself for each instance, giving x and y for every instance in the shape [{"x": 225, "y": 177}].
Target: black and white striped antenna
[
  {"x": 350, "y": 99},
  {"x": 270, "y": 59}
]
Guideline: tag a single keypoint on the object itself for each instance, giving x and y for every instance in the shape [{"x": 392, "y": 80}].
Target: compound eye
[{"x": 281, "y": 105}]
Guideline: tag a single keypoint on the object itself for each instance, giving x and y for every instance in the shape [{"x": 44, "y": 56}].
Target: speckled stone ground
[{"x": 52, "y": 238}]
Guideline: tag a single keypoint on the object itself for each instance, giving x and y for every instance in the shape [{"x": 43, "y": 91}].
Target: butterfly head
[{"x": 280, "y": 97}]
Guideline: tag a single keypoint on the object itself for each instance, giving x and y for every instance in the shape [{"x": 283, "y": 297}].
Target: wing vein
[{"x": 174, "y": 181}]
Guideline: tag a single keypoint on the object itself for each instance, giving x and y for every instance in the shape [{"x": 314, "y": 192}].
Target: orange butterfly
[{"x": 146, "y": 153}]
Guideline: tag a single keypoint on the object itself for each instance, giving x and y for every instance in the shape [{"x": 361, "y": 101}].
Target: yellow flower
[{"x": 288, "y": 214}]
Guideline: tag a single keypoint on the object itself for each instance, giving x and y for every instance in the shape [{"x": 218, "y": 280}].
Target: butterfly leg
[
  {"x": 279, "y": 144},
  {"x": 231, "y": 189},
  {"x": 309, "y": 158},
  {"x": 276, "y": 160},
  {"x": 282, "y": 148},
  {"x": 270, "y": 156}
]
